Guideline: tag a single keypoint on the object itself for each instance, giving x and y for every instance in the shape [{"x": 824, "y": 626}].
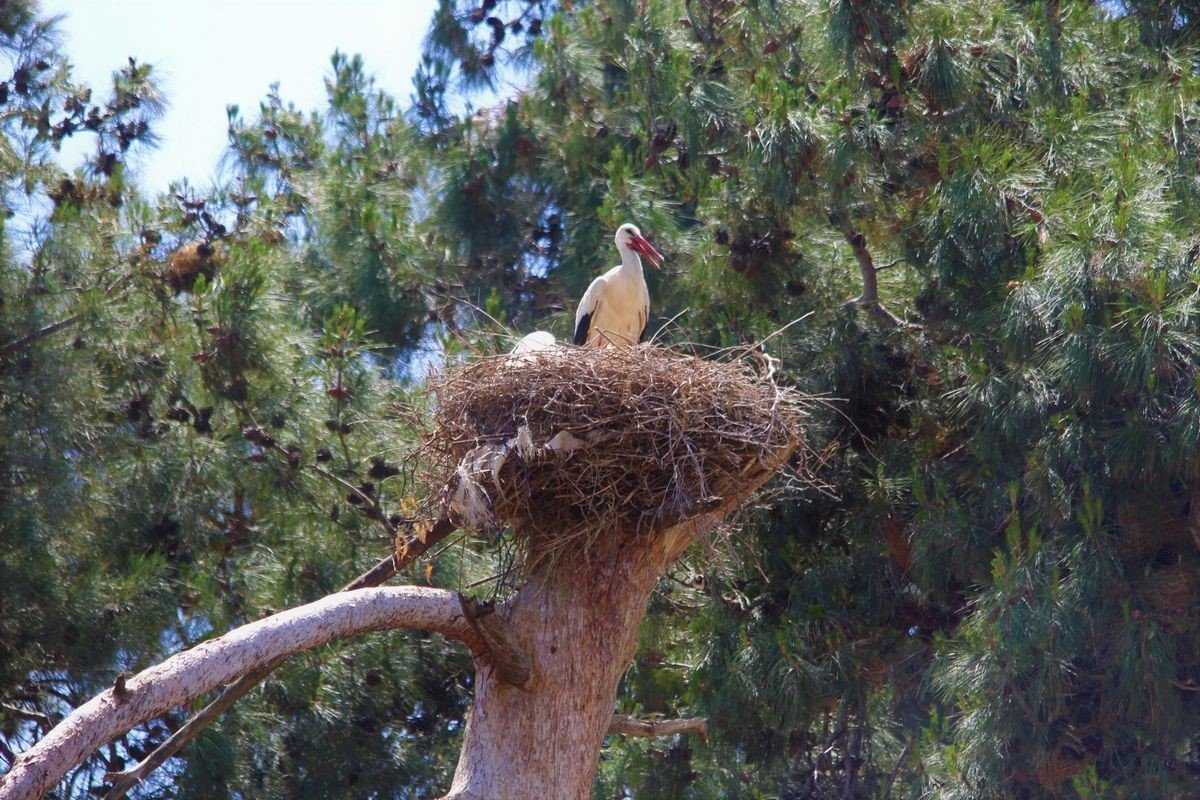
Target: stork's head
[{"x": 630, "y": 238}]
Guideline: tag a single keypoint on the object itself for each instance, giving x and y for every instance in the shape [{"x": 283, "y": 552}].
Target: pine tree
[
  {"x": 970, "y": 227},
  {"x": 988, "y": 213},
  {"x": 197, "y": 430}
]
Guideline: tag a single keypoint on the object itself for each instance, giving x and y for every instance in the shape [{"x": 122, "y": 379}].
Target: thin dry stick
[{"x": 54, "y": 327}]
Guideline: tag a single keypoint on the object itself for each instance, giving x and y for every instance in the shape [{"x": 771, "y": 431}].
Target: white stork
[
  {"x": 615, "y": 308},
  {"x": 530, "y": 344}
]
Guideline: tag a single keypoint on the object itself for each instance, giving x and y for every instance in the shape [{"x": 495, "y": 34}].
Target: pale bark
[
  {"x": 631, "y": 726},
  {"x": 407, "y": 550},
  {"x": 122, "y": 782},
  {"x": 578, "y": 623},
  {"x": 218, "y": 661}
]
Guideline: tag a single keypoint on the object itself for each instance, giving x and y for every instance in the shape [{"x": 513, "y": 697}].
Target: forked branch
[
  {"x": 869, "y": 299},
  {"x": 251, "y": 647},
  {"x": 407, "y": 551},
  {"x": 122, "y": 782}
]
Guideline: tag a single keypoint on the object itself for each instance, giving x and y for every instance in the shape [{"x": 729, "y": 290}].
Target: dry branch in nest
[{"x": 567, "y": 444}]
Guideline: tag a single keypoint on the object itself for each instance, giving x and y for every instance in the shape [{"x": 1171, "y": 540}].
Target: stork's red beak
[{"x": 643, "y": 247}]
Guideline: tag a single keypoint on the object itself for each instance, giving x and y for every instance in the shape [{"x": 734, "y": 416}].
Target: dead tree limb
[
  {"x": 33, "y": 336},
  {"x": 407, "y": 551},
  {"x": 632, "y": 726},
  {"x": 122, "y": 782},
  {"x": 510, "y": 659},
  {"x": 869, "y": 299},
  {"x": 193, "y": 672},
  {"x": 55, "y": 327}
]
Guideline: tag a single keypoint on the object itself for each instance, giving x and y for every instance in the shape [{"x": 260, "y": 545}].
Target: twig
[
  {"x": 43, "y": 720},
  {"x": 654, "y": 339},
  {"x": 54, "y": 327},
  {"x": 896, "y": 769},
  {"x": 448, "y": 545},
  {"x": 492, "y": 578},
  {"x": 375, "y": 511}
]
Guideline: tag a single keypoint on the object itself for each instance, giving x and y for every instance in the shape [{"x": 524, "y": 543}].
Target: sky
[{"x": 209, "y": 55}]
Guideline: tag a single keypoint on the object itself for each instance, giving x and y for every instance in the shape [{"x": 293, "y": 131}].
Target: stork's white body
[
  {"x": 532, "y": 342},
  {"x": 615, "y": 308},
  {"x": 531, "y": 347}
]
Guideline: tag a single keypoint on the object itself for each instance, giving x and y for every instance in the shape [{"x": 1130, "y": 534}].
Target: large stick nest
[{"x": 567, "y": 444}]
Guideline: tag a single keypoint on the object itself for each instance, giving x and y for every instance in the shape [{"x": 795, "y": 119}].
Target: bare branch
[
  {"x": 374, "y": 511},
  {"x": 33, "y": 336},
  {"x": 896, "y": 769},
  {"x": 632, "y": 726},
  {"x": 122, "y": 782},
  {"x": 54, "y": 327},
  {"x": 510, "y": 659},
  {"x": 189, "y": 674},
  {"x": 406, "y": 552},
  {"x": 43, "y": 720},
  {"x": 869, "y": 299}
]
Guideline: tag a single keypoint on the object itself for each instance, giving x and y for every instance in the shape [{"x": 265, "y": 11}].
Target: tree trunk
[{"x": 579, "y": 623}]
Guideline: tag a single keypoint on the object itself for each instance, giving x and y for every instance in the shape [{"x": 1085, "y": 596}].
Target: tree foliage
[{"x": 972, "y": 226}]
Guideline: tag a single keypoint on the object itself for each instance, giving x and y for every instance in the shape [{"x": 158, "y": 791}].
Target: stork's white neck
[{"x": 630, "y": 261}]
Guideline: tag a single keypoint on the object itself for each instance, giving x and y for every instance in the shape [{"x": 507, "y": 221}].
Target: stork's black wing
[{"x": 581, "y": 330}]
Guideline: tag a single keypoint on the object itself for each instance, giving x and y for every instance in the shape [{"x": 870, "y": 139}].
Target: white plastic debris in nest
[{"x": 470, "y": 503}]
